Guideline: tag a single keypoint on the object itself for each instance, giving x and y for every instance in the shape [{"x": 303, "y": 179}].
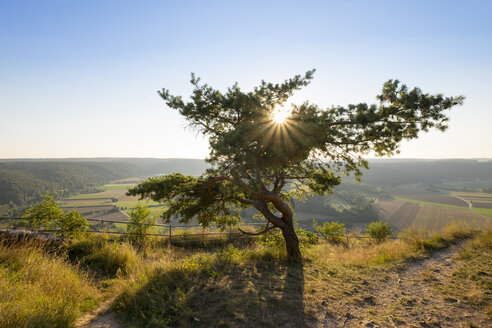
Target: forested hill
[{"x": 22, "y": 181}]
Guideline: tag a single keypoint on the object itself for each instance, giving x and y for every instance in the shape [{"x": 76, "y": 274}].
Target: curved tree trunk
[
  {"x": 285, "y": 223},
  {"x": 292, "y": 243}
]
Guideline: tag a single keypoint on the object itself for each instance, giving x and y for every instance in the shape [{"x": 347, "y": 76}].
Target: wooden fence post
[{"x": 170, "y": 233}]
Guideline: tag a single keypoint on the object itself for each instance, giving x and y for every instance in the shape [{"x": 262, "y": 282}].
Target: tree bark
[
  {"x": 285, "y": 223},
  {"x": 292, "y": 243}
]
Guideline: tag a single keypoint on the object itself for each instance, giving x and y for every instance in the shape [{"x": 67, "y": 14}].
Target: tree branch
[{"x": 266, "y": 229}]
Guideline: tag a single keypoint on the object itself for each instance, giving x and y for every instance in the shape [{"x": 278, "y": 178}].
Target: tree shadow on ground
[{"x": 261, "y": 294}]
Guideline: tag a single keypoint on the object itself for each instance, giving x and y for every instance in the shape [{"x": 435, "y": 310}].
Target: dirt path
[
  {"x": 410, "y": 299},
  {"x": 101, "y": 318},
  {"x": 468, "y": 202}
]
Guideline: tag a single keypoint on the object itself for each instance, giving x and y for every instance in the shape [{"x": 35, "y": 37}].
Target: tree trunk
[
  {"x": 292, "y": 243},
  {"x": 285, "y": 223}
]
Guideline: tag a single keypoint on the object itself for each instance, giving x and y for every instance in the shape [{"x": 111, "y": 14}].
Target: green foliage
[
  {"x": 379, "y": 231},
  {"x": 332, "y": 232},
  {"x": 139, "y": 224},
  {"x": 47, "y": 215}
]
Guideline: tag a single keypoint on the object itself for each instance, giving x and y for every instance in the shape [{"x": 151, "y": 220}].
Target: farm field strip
[
  {"x": 482, "y": 205},
  {"x": 438, "y": 199},
  {"x": 471, "y": 194},
  {"x": 97, "y": 195},
  {"x": 117, "y": 186},
  {"x": 399, "y": 214},
  {"x": 431, "y": 203},
  {"x": 478, "y": 199},
  {"x": 436, "y": 217},
  {"x": 83, "y": 202},
  {"x": 483, "y": 211},
  {"x": 109, "y": 216}
]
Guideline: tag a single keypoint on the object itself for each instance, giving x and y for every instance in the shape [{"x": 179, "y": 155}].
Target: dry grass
[
  {"x": 222, "y": 285},
  {"x": 41, "y": 289}
]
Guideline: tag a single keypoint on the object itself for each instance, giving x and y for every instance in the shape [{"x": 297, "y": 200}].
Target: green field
[
  {"x": 483, "y": 211},
  {"x": 117, "y": 186}
]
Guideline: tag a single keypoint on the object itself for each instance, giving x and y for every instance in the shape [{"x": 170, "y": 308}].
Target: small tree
[
  {"x": 263, "y": 154},
  {"x": 332, "y": 232},
  {"x": 139, "y": 224},
  {"x": 48, "y": 215},
  {"x": 379, "y": 231}
]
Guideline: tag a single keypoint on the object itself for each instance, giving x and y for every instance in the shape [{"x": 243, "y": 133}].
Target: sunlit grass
[{"x": 41, "y": 289}]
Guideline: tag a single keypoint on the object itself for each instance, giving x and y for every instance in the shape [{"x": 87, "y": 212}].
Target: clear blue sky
[{"x": 78, "y": 78}]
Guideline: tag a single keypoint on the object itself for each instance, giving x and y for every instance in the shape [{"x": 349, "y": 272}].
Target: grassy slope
[
  {"x": 227, "y": 286},
  {"x": 40, "y": 289}
]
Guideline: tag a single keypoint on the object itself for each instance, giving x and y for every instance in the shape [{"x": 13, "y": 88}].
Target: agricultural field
[
  {"x": 397, "y": 213},
  {"x": 84, "y": 202},
  {"x": 436, "y": 217},
  {"x": 93, "y": 209},
  {"x": 108, "y": 216},
  {"x": 434, "y": 210},
  {"x": 436, "y": 198},
  {"x": 102, "y": 205}
]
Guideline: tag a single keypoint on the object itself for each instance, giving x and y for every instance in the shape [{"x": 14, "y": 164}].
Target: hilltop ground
[{"x": 418, "y": 280}]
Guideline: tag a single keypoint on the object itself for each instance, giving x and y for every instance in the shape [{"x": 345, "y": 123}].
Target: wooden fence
[{"x": 177, "y": 231}]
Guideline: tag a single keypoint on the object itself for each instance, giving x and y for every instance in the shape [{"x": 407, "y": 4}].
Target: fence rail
[{"x": 164, "y": 230}]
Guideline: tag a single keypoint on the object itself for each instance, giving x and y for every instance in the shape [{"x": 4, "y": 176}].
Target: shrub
[
  {"x": 102, "y": 256},
  {"x": 139, "y": 224},
  {"x": 48, "y": 215},
  {"x": 310, "y": 238},
  {"x": 379, "y": 231},
  {"x": 332, "y": 232}
]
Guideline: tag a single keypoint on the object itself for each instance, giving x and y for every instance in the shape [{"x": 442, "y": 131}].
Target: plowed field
[
  {"x": 437, "y": 217},
  {"x": 482, "y": 205},
  {"x": 440, "y": 199},
  {"x": 398, "y": 213}
]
